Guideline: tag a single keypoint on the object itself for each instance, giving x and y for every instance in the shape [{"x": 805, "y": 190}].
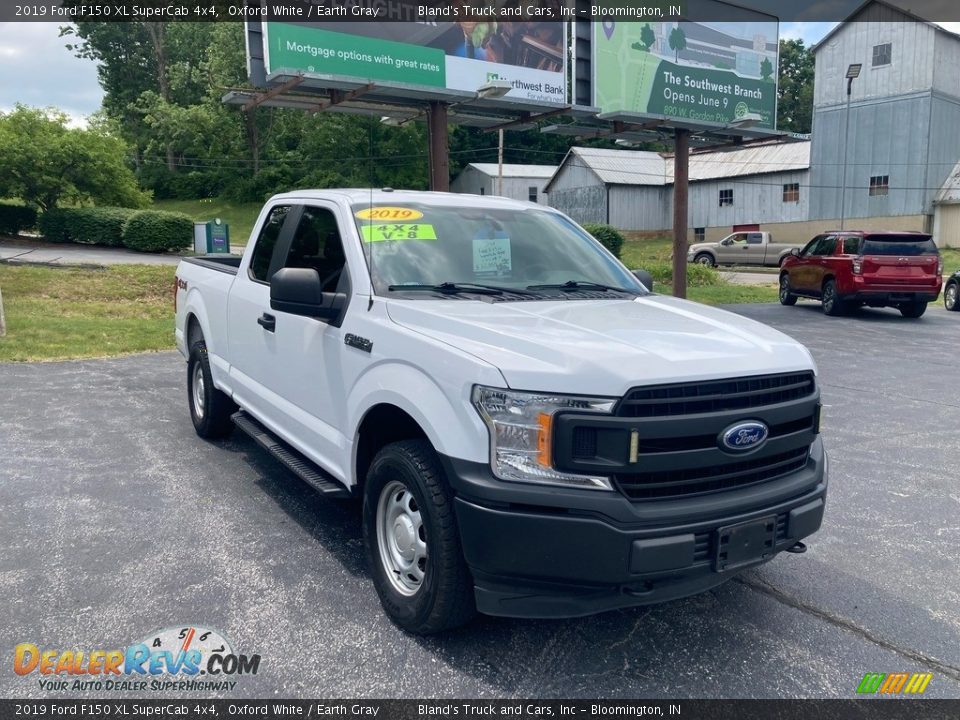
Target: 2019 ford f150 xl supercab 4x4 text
[{"x": 532, "y": 432}]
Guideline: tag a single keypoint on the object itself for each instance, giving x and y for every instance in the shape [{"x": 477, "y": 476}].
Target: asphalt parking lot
[{"x": 119, "y": 521}]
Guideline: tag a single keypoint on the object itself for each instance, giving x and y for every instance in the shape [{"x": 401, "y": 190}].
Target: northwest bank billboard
[
  {"x": 698, "y": 71},
  {"x": 450, "y": 55}
]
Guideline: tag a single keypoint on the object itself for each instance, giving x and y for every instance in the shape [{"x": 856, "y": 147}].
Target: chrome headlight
[{"x": 521, "y": 433}]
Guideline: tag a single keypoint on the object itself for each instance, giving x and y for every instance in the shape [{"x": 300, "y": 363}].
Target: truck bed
[{"x": 229, "y": 264}]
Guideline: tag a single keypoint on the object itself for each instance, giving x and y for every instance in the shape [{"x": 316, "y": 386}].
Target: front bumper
[{"x": 539, "y": 551}]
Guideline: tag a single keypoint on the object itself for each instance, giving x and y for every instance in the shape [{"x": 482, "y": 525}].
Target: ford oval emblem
[{"x": 744, "y": 437}]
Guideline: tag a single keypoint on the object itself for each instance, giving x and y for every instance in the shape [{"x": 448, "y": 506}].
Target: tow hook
[
  {"x": 798, "y": 549},
  {"x": 642, "y": 590}
]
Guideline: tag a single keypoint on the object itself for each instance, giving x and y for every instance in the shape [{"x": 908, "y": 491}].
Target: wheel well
[
  {"x": 194, "y": 333},
  {"x": 382, "y": 425},
  {"x": 827, "y": 277}
]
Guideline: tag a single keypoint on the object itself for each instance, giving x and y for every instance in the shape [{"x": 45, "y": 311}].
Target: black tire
[
  {"x": 786, "y": 297},
  {"x": 913, "y": 310},
  {"x": 211, "y": 419},
  {"x": 951, "y": 296},
  {"x": 443, "y": 597},
  {"x": 831, "y": 301},
  {"x": 705, "y": 258}
]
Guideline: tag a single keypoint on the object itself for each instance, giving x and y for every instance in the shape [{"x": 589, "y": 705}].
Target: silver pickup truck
[{"x": 741, "y": 248}]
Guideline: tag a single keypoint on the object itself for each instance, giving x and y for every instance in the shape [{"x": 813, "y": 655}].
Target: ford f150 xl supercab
[{"x": 532, "y": 432}]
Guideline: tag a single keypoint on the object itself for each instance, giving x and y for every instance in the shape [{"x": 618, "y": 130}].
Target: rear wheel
[
  {"x": 412, "y": 541},
  {"x": 914, "y": 309},
  {"x": 951, "y": 297},
  {"x": 830, "y": 299},
  {"x": 786, "y": 297},
  {"x": 705, "y": 259},
  {"x": 210, "y": 409}
]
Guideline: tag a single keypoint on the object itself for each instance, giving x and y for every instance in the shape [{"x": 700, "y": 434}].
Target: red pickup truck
[{"x": 849, "y": 269}]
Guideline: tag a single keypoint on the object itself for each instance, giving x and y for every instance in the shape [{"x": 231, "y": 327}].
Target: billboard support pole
[
  {"x": 681, "y": 190},
  {"x": 439, "y": 149}
]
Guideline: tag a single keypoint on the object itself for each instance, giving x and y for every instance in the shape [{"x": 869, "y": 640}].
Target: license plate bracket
[{"x": 745, "y": 544}]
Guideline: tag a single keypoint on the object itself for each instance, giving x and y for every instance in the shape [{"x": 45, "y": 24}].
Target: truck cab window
[
  {"x": 316, "y": 244},
  {"x": 266, "y": 242}
]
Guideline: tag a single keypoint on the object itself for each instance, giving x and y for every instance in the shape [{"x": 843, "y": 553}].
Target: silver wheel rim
[
  {"x": 198, "y": 391},
  {"x": 401, "y": 538},
  {"x": 784, "y": 288},
  {"x": 704, "y": 260},
  {"x": 952, "y": 296},
  {"x": 828, "y": 297}
]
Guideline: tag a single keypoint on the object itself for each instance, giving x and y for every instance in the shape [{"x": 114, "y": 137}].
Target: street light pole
[
  {"x": 500, "y": 164},
  {"x": 852, "y": 73}
]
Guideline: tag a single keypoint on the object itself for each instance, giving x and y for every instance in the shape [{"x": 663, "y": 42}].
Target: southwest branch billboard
[
  {"x": 697, "y": 71},
  {"x": 450, "y": 55}
]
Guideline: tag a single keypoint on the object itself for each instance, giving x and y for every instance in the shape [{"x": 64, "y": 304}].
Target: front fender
[{"x": 442, "y": 409}]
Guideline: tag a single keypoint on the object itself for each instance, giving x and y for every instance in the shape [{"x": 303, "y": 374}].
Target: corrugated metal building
[
  {"x": 520, "y": 182},
  {"x": 904, "y": 120},
  {"x": 633, "y": 190}
]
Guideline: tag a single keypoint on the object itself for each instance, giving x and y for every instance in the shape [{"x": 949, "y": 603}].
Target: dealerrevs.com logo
[{"x": 180, "y": 658}]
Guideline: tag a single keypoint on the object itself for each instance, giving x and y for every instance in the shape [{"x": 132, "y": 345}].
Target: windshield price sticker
[
  {"x": 401, "y": 214},
  {"x": 381, "y": 232},
  {"x": 492, "y": 255}
]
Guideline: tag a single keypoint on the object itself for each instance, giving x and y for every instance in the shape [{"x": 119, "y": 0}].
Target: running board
[{"x": 296, "y": 463}]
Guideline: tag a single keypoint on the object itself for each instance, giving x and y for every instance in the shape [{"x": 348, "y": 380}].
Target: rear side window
[
  {"x": 899, "y": 245},
  {"x": 826, "y": 245},
  {"x": 266, "y": 242},
  {"x": 851, "y": 245}
]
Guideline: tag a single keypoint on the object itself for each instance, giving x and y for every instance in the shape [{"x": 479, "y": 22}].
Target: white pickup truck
[
  {"x": 741, "y": 248},
  {"x": 531, "y": 431}
]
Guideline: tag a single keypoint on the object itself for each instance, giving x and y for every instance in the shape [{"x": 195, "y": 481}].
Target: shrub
[
  {"x": 158, "y": 231},
  {"x": 609, "y": 236},
  {"x": 88, "y": 225},
  {"x": 697, "y": 275},
  {"x": 14, "y": 218}
]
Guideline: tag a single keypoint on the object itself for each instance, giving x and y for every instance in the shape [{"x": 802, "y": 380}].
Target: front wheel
[
  {"x": 705, "y": 259},
  {"x": 210, "y": 409},
  {"x": 914, "y": 309},
  {"x": 786, "y": 297},
  {"x": 412, "y": 542},
  {"x": 951, "y": 297}
]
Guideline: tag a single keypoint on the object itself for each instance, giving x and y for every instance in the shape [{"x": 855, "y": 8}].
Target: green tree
[
  {"x": 795, "y": 90},
  {"x": 647, "y": 36},
  {"x": 678, "y": 41},
  {"x": 766, "y": 69},
  {"x": 43, "y": 162}
]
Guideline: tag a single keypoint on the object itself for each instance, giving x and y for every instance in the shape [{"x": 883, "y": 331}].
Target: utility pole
[
  {"x": 439, "y": 156},
  {"x": 853, "y": 72},
  {"x": 681, "y": 190},
  {"x": 500, "y": 164}
]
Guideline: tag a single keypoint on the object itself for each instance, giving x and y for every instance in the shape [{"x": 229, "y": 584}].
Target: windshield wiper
[
  {"x": 571, "y": 285},
  {"x": 454, "y": 288}
]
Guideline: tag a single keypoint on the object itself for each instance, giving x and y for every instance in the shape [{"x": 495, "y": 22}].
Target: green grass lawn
[
  {"x": 241, "y": 217},
  {"x": 60, "y": 313}
]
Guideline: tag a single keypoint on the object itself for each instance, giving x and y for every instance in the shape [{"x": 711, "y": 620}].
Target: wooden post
[
  {"x": 438, "y": 144},
  {"x": 681, "y": 190},
  {"x": 3, "y": 322}
]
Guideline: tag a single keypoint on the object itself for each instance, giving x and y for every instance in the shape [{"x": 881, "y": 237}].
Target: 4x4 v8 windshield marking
[{"x": 397, "y": 231}]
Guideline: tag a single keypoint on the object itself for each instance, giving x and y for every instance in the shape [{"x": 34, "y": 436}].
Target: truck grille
[
  {"x": 715, "y": 395},
  {"x": 641, "y": 486},
  {"x": 679, "y": 456}
]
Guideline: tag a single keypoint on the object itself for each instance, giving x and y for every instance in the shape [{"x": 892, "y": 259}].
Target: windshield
[
  {"x": 898, "y": 245},
  {"x": 426, "y": 245}
]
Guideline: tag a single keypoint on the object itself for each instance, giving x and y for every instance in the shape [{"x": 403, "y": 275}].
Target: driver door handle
[{"x": 267, "y": 322}]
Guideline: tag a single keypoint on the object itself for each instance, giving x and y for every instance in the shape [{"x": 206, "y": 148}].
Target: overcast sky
[{"x": 36, "y": 68}]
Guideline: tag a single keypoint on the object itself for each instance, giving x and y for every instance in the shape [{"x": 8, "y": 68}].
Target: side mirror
[
  {"x": 644, "y": 277},
  {"x": 726, "y": 241},
  {"x": 297, "y": 291},
  {"x": 795, "y": 252}
]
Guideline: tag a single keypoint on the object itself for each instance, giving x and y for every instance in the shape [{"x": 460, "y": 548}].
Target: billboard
[
  {"x": 698, "y": 71},
  {"x": 448, "y": 55}
]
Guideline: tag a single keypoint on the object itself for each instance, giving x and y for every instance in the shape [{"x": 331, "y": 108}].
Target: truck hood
[
  {"x": 702, "y": 246},
  {"x": 603, "y": 347}
]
